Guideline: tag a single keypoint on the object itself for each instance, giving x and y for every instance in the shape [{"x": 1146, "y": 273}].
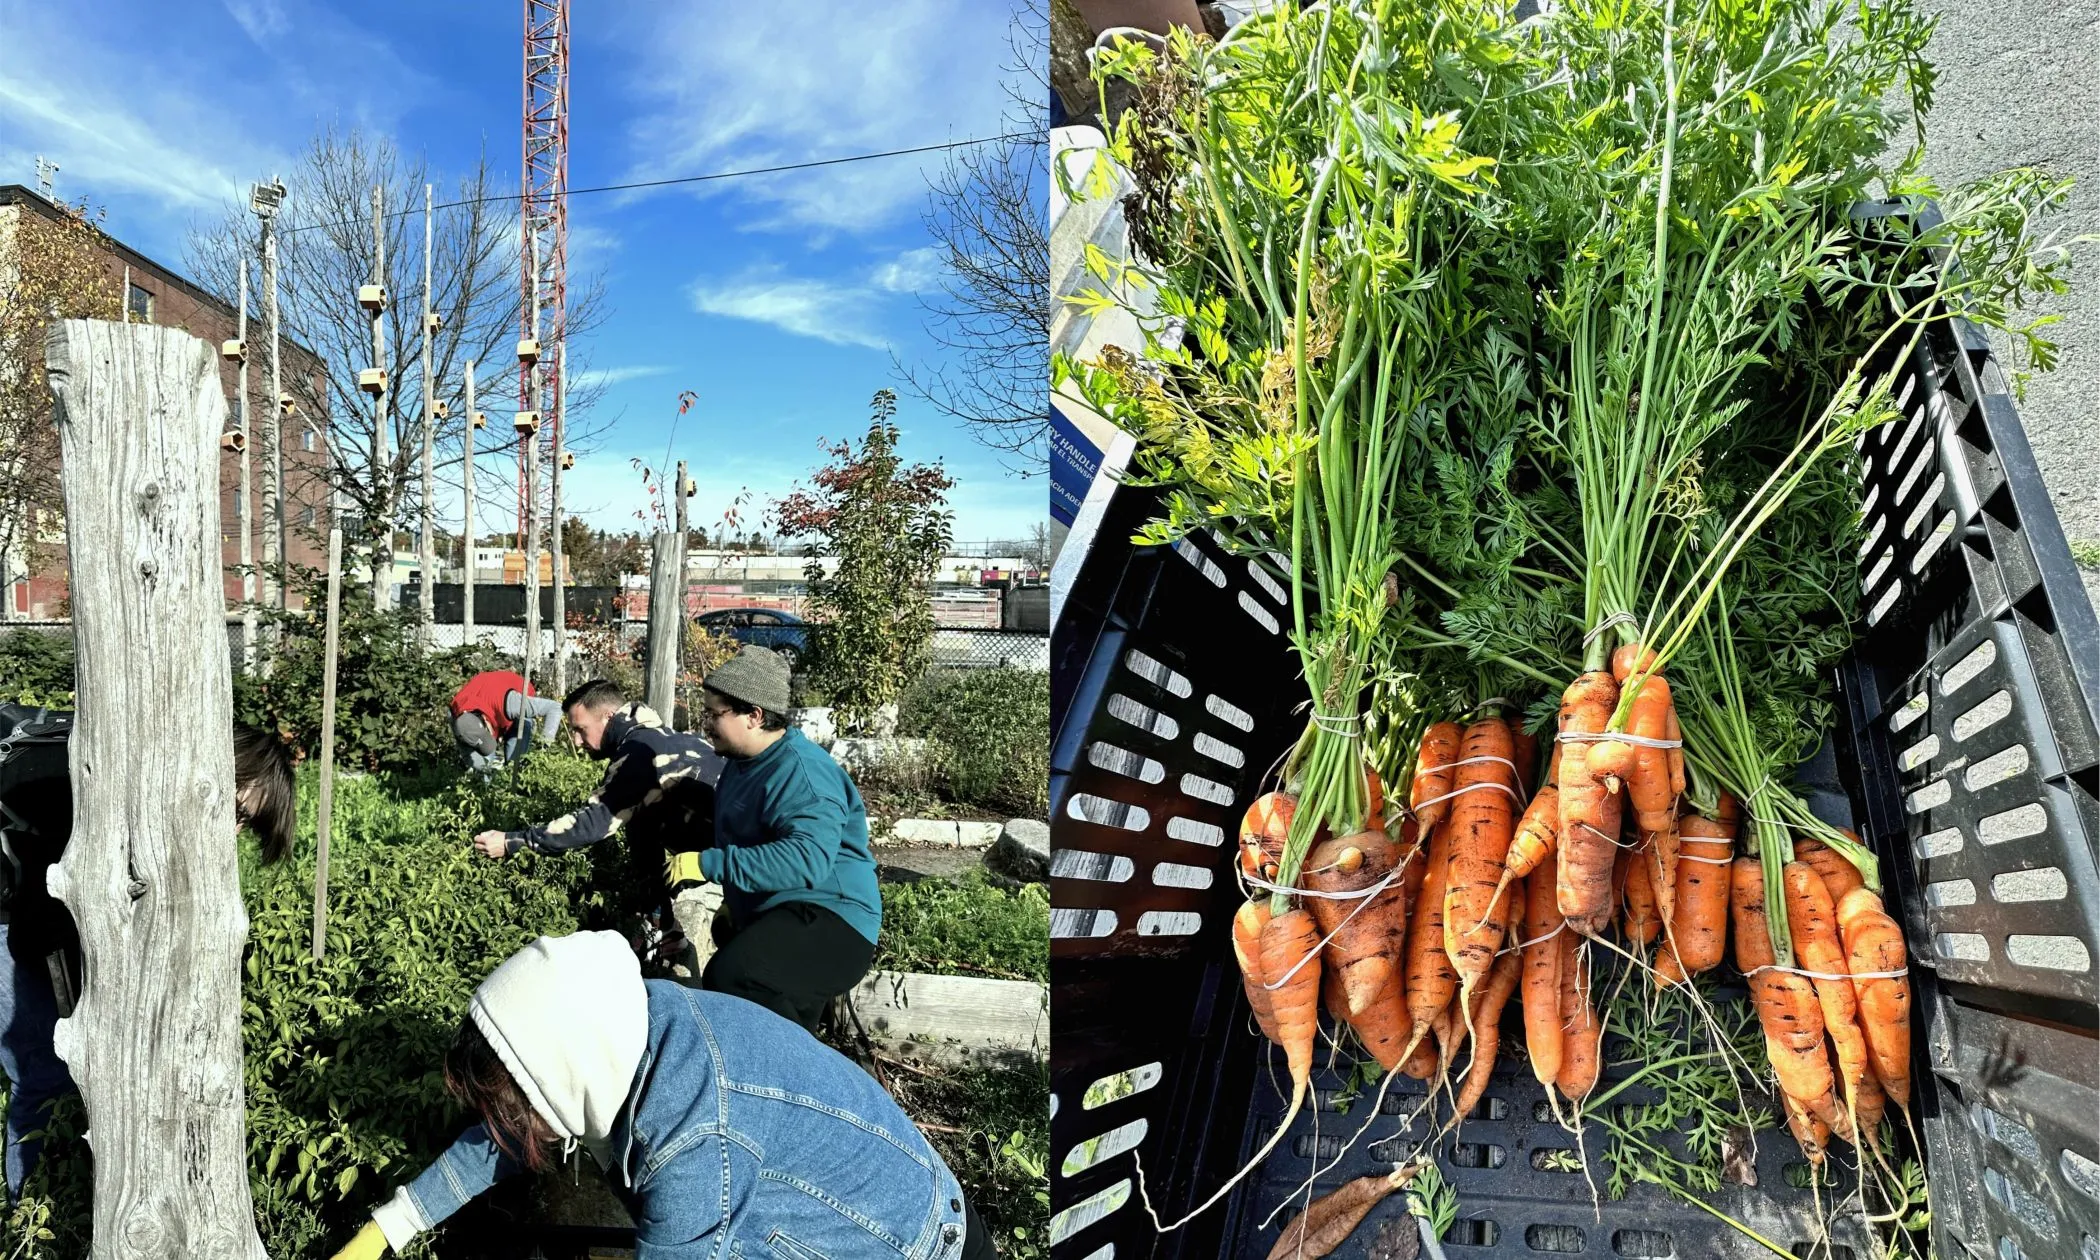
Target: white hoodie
[{"x": 569, "y": 1017}]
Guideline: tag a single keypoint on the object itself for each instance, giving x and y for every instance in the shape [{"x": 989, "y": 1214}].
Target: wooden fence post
[
  {"x": 666, "y": 622},
  {"x": 324, "y": 814},
  {"x": 151, "y": 874}
]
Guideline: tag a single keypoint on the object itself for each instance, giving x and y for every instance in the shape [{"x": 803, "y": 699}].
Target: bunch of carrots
[{"x": 1487, "y": 886}]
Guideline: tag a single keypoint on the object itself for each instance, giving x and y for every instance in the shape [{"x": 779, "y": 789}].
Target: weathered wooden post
[
  {"x": 324, "y": 814},
  {"x": 679, "y": 494},
  {"x": 151, "y": 875},
  {"x": 666, "y": 622}
]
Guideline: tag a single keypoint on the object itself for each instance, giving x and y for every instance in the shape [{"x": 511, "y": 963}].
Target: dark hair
[
  {"x": 476, "y": 1076},
  {"x": 774, "y": 720},
  {"x": 262, "y": 777},
  {"x": 595, "y": 695}
]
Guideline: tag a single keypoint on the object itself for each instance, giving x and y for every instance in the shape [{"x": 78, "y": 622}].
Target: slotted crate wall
[
  {"x": 1966, "y": 755},
  {"x": 1971, "y": 706}
]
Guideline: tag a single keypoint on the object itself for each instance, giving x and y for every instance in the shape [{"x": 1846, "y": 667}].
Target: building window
[
  {"x": 139, "y": 304},
  {"x": 238, "y": 506},
  {"x": 309, "y": 516},
  {"x": 308, "y": 437}
]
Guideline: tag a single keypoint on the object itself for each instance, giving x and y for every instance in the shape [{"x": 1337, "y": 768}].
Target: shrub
[
  {"x": 36, "y": 668},
  {"x": 344, "y": 1085},
  {"x": 392, "y": 699},
  {"x": 887, "y": 525},
  {"x": 966, "y": 926},
  {"x": 992, "y": 731}
]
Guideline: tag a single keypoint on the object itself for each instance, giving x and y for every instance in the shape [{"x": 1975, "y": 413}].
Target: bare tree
[
  {"x": 988, "y": 213},
  {"x": 325, "y": 253}
]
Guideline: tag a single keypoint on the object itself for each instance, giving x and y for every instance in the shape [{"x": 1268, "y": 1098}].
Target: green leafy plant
[
  {"x": 966, "y": 926},
  {"x": 989, "y": 728},
  {"x": 886, "y": 526},
  {"x": 992, "y": 1126},
  {"x": 36, "y": 668},
  {"x": 392, "y": 698},
  {"x": 1431, "y": 1197}
]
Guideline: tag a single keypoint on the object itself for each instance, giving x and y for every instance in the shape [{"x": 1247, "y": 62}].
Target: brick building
[{"x": 160, "y": 295}]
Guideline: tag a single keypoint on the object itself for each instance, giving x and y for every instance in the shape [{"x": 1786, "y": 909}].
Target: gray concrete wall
[{"x": 2020, "y": 85}]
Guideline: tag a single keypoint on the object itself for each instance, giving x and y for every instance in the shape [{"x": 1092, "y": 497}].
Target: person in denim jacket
[{"x": 728, "y": 1131}]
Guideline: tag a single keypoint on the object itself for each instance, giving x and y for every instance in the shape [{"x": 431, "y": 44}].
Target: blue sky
[{"x": 778, "y": 299}]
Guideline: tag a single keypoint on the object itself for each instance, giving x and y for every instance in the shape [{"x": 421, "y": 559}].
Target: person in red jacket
[{"x": 496, "y": 715}]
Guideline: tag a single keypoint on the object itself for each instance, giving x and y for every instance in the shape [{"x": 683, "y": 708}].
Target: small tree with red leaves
[{"x": 887, "y": 525}]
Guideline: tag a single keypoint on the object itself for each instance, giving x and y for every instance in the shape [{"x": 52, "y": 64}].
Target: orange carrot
[
  {"x": 1487, "y": 1032},
  {"x": 1662, "y": 850},
  {"x": 1787, "y": 1009},
  {"x": 1288, "y": 966},
  {"x": 1374, "y": 798},
  {"x": 1542, "y": 978},
  {"x": 1642, "y": 923},
  {"x": 1535, "y": 836},
  {"x": 1292, "y": 938},
  {"x": 1262, "y": 832},
  {"x": 1873, "y": 943},
  {"x": 1814, "y": 923},
  {"x": 1811, "y": 1133},
  {"x": 1433, "y": 773},
  {"x": 1431, "y": 980},
  {"x": 1698, "y": 924},
  {"x": 1526, "y": 755},
  {"x": 1839, "y": 875},
  {"x": 1421, "y": 1062},
  {"x": 1383, "y": 1026},
  {"x": 1328, "y": 1220},
  {"x": 1364, "y": 937},
  {"x": 1247, "y": 927},
  {"x": 1579, "y": 1059},
  {"x": 1589, "y": 814},
  {"x": 1480, "y": 825}
]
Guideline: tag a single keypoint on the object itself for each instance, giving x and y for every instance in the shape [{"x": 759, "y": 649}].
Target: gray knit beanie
[{"x": 756, "y": 676}]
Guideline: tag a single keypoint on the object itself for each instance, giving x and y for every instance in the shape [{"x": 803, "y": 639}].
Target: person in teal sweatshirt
[{"x": 800, "y": 907}]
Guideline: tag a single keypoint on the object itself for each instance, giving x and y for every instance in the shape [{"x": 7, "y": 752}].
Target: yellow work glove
[
  {"x": 681, "y": 869},
  {"x": 369, "y": 1244}
]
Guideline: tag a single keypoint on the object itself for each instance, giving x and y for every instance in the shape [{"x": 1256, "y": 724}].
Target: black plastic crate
[{"x": 1163, "y": 657}]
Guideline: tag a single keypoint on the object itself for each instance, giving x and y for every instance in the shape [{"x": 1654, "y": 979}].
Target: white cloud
[
  {"x": 112, "y": 133},
  {"x": 842, "y": 315},
  {"x": 846, "y": 313},
  {"x": 123, "y": 117},
  {"x": 260, "y": 18},
  {"x": 615, "y": 376},
  {"x": 799, "y": 80},
  {"x": 913, "y": 271}
]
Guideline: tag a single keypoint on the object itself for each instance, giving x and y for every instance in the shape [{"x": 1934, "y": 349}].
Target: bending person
[
  {"x": 40, "y": 962},
  {"x": 658, "y": 791},
  {"x": 727, "y": 1130},
  {"x": 495, "y": 717},
  {"x": 801, "y": 906}
]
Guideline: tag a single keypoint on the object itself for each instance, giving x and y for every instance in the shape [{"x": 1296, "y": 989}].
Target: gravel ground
[{"x": 2016, "y": 88}]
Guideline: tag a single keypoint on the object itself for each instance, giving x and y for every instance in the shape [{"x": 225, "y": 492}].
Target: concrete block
[{"x": 1022, "y": 850}]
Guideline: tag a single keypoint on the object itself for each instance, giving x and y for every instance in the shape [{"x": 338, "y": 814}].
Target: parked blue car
[{"x": 783, "y": 632}]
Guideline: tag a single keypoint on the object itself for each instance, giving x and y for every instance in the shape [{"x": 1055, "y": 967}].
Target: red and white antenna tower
[{"x": 544, "y": 223}]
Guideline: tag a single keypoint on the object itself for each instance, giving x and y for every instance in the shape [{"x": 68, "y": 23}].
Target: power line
[{"x": 693, "y": 179}]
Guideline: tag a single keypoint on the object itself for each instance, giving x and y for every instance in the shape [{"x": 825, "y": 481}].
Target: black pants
[
  {"x": 792, "y": 960},
  {"x": 977, "y": 1240}
]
